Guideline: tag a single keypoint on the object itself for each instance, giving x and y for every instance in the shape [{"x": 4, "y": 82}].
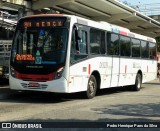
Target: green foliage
[
  {"x": 158, "y": 43},
  {"x": 126, "y": 3}
]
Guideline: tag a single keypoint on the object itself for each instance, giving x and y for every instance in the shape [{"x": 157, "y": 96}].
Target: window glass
[
  {"x": 144, "y": 49},
  {"x": 135, "y": 48},
  {"x": 43, "y": 45},
  {"x": 1, "y": 47},
  {"x": 125, "y": 48},
  {"x": 97, "y": 41},
  {"x": 112, "y": 44},
  {"x": 78, "y": 45},
  {"x": 83, "y": 43},
  {"x": 152, "y": 50}
]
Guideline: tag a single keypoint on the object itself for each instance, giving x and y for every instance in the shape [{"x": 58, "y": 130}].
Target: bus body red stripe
[
  {"x": 37, "y": 77},
  {"x": 89, "y": 69},
  {"x": 125, "y": 69}
]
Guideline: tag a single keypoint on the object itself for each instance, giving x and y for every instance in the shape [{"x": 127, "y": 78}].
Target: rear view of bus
[{"x": 38, "y": 53}]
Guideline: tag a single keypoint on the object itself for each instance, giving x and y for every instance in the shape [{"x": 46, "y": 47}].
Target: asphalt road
[{"x": 110, "y": 105}]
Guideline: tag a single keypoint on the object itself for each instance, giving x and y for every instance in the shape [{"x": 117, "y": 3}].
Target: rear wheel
[
  {"x": 138, "y": 83},
  {"x": 92, "y": 87}
]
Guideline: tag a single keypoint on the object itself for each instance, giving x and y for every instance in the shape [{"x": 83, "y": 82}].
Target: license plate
[{"x": 33, "y": 85}]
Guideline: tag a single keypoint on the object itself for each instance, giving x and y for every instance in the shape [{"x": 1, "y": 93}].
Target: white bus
[{"x": 65, "y": 54}]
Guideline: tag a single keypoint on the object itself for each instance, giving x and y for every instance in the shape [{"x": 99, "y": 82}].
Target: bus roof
[{"x": 101, "y": 25}]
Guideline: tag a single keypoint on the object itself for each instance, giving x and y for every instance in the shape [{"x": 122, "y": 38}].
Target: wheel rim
[{"x": 92, "y": 87}]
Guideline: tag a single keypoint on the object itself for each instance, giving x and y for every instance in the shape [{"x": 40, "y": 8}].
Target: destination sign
[{"x": 42, "y": 22}]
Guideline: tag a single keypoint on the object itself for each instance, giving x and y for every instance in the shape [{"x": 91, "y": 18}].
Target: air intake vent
[{"x": 35, "y": 86}]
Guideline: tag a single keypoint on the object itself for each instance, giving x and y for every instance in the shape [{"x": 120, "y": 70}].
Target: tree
[
  {"x": 126, "y": 3},
  {"x": 158, "y": 43}
]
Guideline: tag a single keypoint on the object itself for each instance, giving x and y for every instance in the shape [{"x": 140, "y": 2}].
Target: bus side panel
[
  {"x": 149, "y": 68},
  {"x": 107, "y": 77},
  {"x": 78, "y": 77},
  {"x": 152, "y": 69},
  {"x": 115, "y": 72},
  {"x": 128, "y": 71},
  {"x": 102, "y": 65},
  {"x": 81, "y": 71}
]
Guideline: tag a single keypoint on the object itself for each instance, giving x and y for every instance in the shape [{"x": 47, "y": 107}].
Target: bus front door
[{"x": 115, "y": 71}]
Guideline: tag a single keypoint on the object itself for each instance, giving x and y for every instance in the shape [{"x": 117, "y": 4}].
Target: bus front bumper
[{"x": 57, "y": 86}]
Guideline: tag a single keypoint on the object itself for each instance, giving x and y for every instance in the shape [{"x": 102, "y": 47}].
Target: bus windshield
[{"x": 40, "y": 46}]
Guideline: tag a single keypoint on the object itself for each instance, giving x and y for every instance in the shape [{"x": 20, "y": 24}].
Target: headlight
[
  {"x": 59, "y": 73},
  {"x": 12, "y": 71}
]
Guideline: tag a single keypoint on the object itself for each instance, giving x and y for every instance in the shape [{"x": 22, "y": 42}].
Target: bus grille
[{"x": 27, "y": 86}]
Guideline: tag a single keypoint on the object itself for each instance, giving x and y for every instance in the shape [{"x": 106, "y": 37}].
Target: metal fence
[{"x": 5, "y": 47}]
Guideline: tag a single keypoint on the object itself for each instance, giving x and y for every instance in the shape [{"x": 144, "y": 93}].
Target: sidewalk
[{"x": 154, "y": 81}]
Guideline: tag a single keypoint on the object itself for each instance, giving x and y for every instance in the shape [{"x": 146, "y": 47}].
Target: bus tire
[
  {"x": 92, "y": 87},
  {"x": 138, "y": 83}
]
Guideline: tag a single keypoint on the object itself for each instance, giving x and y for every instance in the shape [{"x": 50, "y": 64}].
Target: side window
[
  {"x": 73, "y": 42},
  {"x": 125, "y": 48},
  {"x": 152, "y": 50},
  {"x": 135, "y": 48},
  {"x": 112, "y": 44},
  {"x": 97, "y": 41},
  {"x": 83, "y": 43},
  {"x": 102, "y": 46},
  {"x": 144, "y": 49},
  {"x": 78, "y": 45}
]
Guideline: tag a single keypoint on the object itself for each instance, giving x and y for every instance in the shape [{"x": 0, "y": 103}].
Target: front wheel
[
  {"x": 92, "y": 87},
  {"x": 138, "y": 83}
]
